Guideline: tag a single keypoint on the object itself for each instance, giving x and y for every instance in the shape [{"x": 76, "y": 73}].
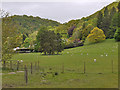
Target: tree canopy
[
  {"x": 96, "y": 35},
  {"x": 117, "y": 35},
  {"x": 10, "y": 37},
  {"x": 48, "y": 42}
]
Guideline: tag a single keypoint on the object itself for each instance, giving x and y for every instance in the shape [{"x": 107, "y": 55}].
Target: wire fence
[{"x": 36, "y": 67}]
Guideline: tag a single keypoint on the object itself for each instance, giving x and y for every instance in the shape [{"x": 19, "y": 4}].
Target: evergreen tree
[
  {"x": 106, "y": 12},
  {"x": 106, "y": 22},
  {"x": 113, "y": 11},
  {"x": 99, "y": 20},
  {"x": 119, "y": 19},
  {"x": 118, "y": 14},
  {"x": 112, "y": 27},
  {"x": 118, "y": 6},
  {"x": 117, "y": 35}
]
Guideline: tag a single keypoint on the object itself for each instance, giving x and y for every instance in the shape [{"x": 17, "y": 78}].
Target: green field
[{"x": 98, "y": 74}]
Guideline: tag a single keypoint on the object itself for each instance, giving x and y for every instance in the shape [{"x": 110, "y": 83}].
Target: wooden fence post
[
  {"x": 17, "y": 65},
  {"x": 63, "y": 68},
  {"x": 84, "y": 67},
  {"x": 31, "y": 68},
  {"x": 112, "y": 66},
  {"x": 26, "y": 75}
]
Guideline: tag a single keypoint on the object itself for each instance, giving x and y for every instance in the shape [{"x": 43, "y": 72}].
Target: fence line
[{"x": 34, "y": 68}]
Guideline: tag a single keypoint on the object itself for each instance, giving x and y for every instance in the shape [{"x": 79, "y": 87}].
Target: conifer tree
[
  {"x": 106, "y": 21},
  {"x": 99, "y": 20},
  {"x": 118, "y": 6}
]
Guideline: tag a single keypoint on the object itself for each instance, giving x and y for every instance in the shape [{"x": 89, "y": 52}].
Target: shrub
[
  {"x": 96, "y": 35},
  {"x": 117, "y": 35}
]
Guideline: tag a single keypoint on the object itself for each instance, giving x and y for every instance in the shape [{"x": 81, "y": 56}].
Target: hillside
[
  {"x": 82, "y": 25},
  {"x": 29, "y": 24},
  {"x": 79, "y": 29},
  {"x": 110, "y": 6}
]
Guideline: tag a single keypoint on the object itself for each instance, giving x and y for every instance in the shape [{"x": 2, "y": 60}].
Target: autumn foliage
[{"x": 96, "y": 35}]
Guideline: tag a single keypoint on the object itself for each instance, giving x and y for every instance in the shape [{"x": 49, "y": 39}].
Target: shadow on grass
[
  {"x": 50, "y": 54},
  {"x": 93, "y": 43}
]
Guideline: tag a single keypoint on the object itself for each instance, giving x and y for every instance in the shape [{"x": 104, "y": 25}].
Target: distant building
[{"x": 23, "y": 50}]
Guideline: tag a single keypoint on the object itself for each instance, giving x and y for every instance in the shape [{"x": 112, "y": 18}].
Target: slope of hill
[
  {"x": 74, "y": 29},
  {"x": 71, "y": 31},
  {"x": 83, "y": 23},
  {"x": 29, "y": 24},
  {"x": 98, "y": 74},
  {"x": 110, "y": 6}
]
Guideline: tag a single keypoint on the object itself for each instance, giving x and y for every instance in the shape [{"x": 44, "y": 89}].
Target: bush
[
  {"x": 73, "y": 44},
  {"x": 117, "y": 35},
  {"x": 96, "y": 35}
]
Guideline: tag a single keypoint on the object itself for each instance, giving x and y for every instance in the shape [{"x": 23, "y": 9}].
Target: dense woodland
[{"x": 25, "y": 29}]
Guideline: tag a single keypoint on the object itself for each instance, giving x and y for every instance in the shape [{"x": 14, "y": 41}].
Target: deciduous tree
[{"x": 96, "y": 35}]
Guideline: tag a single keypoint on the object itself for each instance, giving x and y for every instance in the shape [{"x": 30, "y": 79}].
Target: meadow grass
[{"x": 98, "y": 74}]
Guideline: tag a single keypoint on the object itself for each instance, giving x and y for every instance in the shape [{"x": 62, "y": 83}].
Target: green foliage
[
  {"x": 49, "y": 41},
  {"x": 117, "y": 35},
  {"x": 119, "y": 19},
  {"x": 113, "y": 26},
  {"x": 114, "y": 22},
  {"x": 26, "y": 42},
  {"x": 62, "y": 29},
  {"x": 118, "y": 6},
  {"x": 70, "y": 30},
  {"x": 99, "y": 19},
  {"x": 102, "y": 19},
  {"x": 106, "y": 12},
  {"x": 29, "y": 24},
  {"x": 77, "y": 35},
  {"x": 106, "y": 21},
  {"x": 113, "y": 11},
  {"x": 87, "y": 30},
  {"x": 96, "y": 35},
  {"x": 10, "y": 37},
  {"x": 59, "y": 43},
  {"x": 24, "y": 37}
]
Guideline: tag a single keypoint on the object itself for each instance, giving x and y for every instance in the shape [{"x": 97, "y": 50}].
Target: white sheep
[
  {"x": 94, "y": 60},
  {"x": 21, "y": 61}
]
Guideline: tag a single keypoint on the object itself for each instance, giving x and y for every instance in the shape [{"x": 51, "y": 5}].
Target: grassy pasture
[{"x": 98, "y": 74}]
